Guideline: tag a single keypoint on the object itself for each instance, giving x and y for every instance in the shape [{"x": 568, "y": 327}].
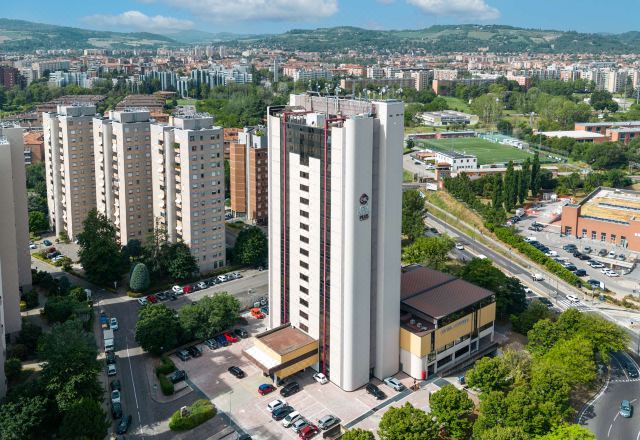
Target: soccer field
[{"x": 486, "y": 152}]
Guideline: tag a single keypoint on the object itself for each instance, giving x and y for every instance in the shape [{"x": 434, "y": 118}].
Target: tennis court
[{"x": 486, "y": 152}]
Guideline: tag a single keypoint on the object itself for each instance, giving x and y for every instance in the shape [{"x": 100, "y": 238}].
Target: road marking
[
  {"x": 592, "y": 401},
  {"x": 133, "y": 382},
  {"x": 638, "y": 437},
  {"x": 609, "y": 431}
]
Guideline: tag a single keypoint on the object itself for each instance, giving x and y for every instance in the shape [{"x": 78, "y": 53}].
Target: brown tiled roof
[
  {"x": 437, "y": 294},
  {"x": 33, "y": 137},
  {"x": 284, "y": 340}
]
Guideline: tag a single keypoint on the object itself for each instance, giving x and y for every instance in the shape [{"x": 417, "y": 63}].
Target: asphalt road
[{"x": 602, "y": 416}]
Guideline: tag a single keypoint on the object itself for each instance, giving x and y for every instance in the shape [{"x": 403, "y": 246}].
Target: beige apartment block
[
  {"x": 69, "y": 166},
  {"x": 122, "y": 150},
  {"x": 249, "y": 167},
  {"x": 187, "y": 157}
]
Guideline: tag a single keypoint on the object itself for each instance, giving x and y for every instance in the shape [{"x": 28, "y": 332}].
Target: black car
[
  {"x": 602, "y": 252},
  {"x": 236, "y": 371},
  {"x": 632, "y": 371},
  {"x": 375, "y": 391},
  {"x": 161, "y": 296},
  {"x": 111, "y": 357},
  {"x": 434, "y": 230},
  {"x": 177, "y": 376},
  {"x": 282, "y": 412},
  {"x": 577, "y": 254},
  {"x": 124, "y": 424},
  {"x": 241, "y": 333},
  {"x": 289, "y": 389},
  {"x": 545, "y": 301},
  {"x": 211, "y": 343},
  {"x": 115, "y": 385},
  {"x": 581, "y": 273},
  {"x": 584, "y": 257},
  {"x": 569, "y": 247},
  {"x": 571, "y": 267},
  {"x": 194, "y": 351},
  {"x": 183, "y": 355},
  {"x": 116, "y": 410},
  {"x": 172, "y": 296}
]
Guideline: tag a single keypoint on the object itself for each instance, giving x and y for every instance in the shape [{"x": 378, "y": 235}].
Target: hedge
[
  {"x": 167, "y": 366},
  {"x": 165, "y": 384},
  {"x": 201, "y": 411}
]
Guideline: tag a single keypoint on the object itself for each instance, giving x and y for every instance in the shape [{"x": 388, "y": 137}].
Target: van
[
  {"x": 537, "y": 277},
  {"x": 481, "y": 257},
  {"x": 290, "y": 418}
]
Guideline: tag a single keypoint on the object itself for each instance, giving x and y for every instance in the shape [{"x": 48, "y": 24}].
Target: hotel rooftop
[{"x": 610, "y": 204}]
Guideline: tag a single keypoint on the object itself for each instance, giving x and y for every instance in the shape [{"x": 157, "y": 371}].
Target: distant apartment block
[
  {"x": 122, "y": 151},
  {"x": 446, "y": 74},
  {"x": 350, "y": 84},
  {"x": 187, "y": 161},
  {"x": 249, "y": 172},
  {"x": 9, "y": 77},
  {"x": 446, "y": 117},
  {"x": 70, "y": 166}
]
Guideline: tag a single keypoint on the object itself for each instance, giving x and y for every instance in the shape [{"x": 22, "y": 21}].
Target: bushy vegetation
[{"x": 199, "y": 412}]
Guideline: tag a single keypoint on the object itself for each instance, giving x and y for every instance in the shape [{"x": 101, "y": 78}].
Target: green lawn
[
  {"x": 486, "y": 152},
  {"x": 457, "y": 104},
  {"x": 187, "y": 101}
]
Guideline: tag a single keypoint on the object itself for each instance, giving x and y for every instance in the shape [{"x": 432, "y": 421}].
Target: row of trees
[{"x": 37, "y": 198}]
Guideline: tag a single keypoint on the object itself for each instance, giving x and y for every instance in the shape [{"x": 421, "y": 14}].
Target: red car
[
  {"x": 152, "y": 299},
  {"x": 308, "y": 431},
  {"x": 187, "y": 289},
  {"x": 265, "y": 388},
  {"x": 230, "y": 339}
]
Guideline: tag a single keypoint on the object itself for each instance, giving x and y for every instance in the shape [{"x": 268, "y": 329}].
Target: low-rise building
[
  {"x": 577, "y": 135},
  {"x": 446, "y": 117},
  {"x": 457, "y": 161},
  {"x": 33, "y": 147}
]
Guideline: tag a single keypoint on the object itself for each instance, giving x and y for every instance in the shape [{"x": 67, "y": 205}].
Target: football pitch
[{"x": 486, "y": 152}]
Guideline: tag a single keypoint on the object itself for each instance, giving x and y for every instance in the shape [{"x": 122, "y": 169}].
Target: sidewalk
[{"x": 181, "y": 388}]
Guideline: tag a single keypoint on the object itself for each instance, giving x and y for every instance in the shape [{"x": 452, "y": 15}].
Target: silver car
[
  {"x": 394, "y": 383},
  {"x": 327, "y": 422}
]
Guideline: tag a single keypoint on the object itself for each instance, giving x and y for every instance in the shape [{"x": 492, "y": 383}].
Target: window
[
  {"x": 304, "y": 252},
  {"x": 304, "y": 328},
  {"x": 603, "y": 236},
  {"x": 304, "y": 188},
  {"x": 305, "y": 265},
  {"x": 304, "y": 227},
  {"x": 304, "y": 201},
  {"x": 304, "y": 290},
  {"x": 303, "y": 277},
  {"x": 304, "y": 302},
  {"x": 623, "y": 241},
  {"x": 593, "y": 235},
  {"x": 584, "y": 233},
  {"x": 304, "y": 175},
  {"x": 613, "y": 238},
  {"x": 304, "y": 239},
  {"x": 304, "y": 214},
  {"x": 304, "y": 315}
]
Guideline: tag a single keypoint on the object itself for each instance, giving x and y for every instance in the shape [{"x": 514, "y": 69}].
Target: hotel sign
[{"x": 363, "y": 209}]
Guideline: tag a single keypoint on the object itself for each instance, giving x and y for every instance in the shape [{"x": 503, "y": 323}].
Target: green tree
[
  {"x": 69, "y": 364},
  {"x": 139, "y": 280},
  {"x": 12, "y": 368},
  {"x": 535, "y": 311},
  {"x": 525, "y": 181},
  {"x": 542, "y": 336},
  {"x": 452, "y": 407},
  {"x": 29, "y": 334},
  {"x": 133, "y": 248},
  {"x": 430, "y": 251},
  {"x": 504, "y": 127},
  {"x": 157, "y": 328},
  {"x": 488, "y": 374},
  {"x": 493, "y": 412},
  {"x": 37, "y": 222},
  {"x": 210, "y": 315},
  {"x": 407, "y": 423},
  {"x": 413, "y": 211},
  {"x": 358, "y": 434},
  {"x": 100, "y": 253},
  {"x": 603, "y": 100},
  {"x": 23, "y": 419},
  {"x": 251, "y": 247},
  {"x": 496, "y": 196},
  {"x": 60, "y": 308},
  {"x": 568, "y": 432},
  {"x": 573, "y": 358},
  {"x": 504, "y": 433},
  {"x": 535, "y": 182},
  {"x": 183, "y": 265},
  {"x": 510, "y": 188},
  {"x": 488, "y": 107},
  {"x": 84, "y": 420}
]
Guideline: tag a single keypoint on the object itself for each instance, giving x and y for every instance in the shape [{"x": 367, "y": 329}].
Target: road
[{"x": 601, "y": 416}]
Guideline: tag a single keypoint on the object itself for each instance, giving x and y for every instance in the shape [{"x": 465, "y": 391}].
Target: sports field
[{"x": 486, "y": 152}]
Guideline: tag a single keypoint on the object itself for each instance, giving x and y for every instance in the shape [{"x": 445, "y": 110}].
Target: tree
[
  {"x": 12, "y": 368},
  {"x": 572, "y": 358},
  {"x": 568, "y": 432},
  {"x": 452, "y": 407},
  {"x": 183, "y": 264},
  {"x": 504, "y": 127},
  {"x": 504, "y": 433},
  {"x": 603, "y": 100},
  {"x": 488, "y": 107},
  {"x": 84, "y": 420},
  {"x": 493, "y": 412},
  {"x": 157, "y": 328},
  {"x": 139, "y": 280},
  {"x": 496, "y": 196},
  {"x": 542, "y": 337},
  {"x": 69, "y": 364},
  {"x": 488, "y": 374},
  {"x": 535, "y": 176},
  {"x": 525, "y": 181},
  {"x": 100, "y": 253},
  {"x": 29, "y": 334},
  {"x": 430, "y": 251},
  {"x": 23, "y": 418},
  {"x": 413, "y": 211},
  {"x": 60, "y": 308},
  {"x": 358, "y": 434},
  {"x": 251, "y": 247},
  {"x": 37, "y": 222},
  {"x": 510, "y": 188},
  {"x": 407, "y": 423},
  {"x": 210, "y": 315},
  {"x": 134, "y": 248},
  {"x": 535, "y": 311}
]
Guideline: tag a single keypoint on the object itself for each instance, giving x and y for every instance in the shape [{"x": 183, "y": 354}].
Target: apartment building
[
  {"x": 122, "y": 151},
  {"x": 15, "y": 261},
  {"x": 187, "y": 164},
  {"x": 70, "y": 166},
  {"x": 335, "y": 178},
  {"x": 248, "y": 180}
]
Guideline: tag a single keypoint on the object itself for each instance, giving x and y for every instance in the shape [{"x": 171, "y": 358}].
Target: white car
[
  {"x": 290, "y": 418},
  {"x": 394, "y": 383},
  {"x": 320, "y": 378},
  {"x": 460, "y": 246},
  {"x": 143, "y": 301},
  {"x": 222, "y": 278},
  {"x": 276, "y": 404},
  {"x": 236, "y": 275},
  {"x": 33, "y": 246},
  {"x": 611, "y": 254},
  {"x": 612, "y": 274},
  {"x": 605, "y": 270},
  {"x": 551, "y": 254},
  {"x": 115, "y": 396},
  {"x": 176, "y": 289},
  {"x": 202, "y": 285},
  {"x": 113, "y": 323},
  {"x": 573, "y": 298},
  {"x": 111, "y": 370}
]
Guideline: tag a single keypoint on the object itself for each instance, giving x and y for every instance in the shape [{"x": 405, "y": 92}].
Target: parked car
[
  {"x": 115, "y": 385},
  {"x": 235, "y": 275},
  {"x": 187, "y": 289},
  {"x": 584, "y": 257},
  {"x": 577, "y": 254},
  {"x": 299, "y": 424},
  {"x": 113, "y": 323},
  {"x": 571, "y": 267},
  {"x": 223, "y": 278},
  {"x": 551, "y": 254},
  {"x": 375, "y": 391},
  {"x": 183, "y": 355},
  {"x": 625, "y": 409},
  {"x": 236, "y": 371},
  {"x": 116, "y": 410},
  {"x": 290, "y": 419},
  {"x": 320, "y": 378},
  {"x": 308, "y": 431},
  {"x": 275, "y": 404},
  {"x": 266, "y": 388},
  {"x": 178, "y": 376},
  {"x": 172, "y": 296},
  {"x": 281, "y": 412},
  {"x": 161, "y": 296},
  {"x": 632, "y": 371},
  {"x": 394, "y": 383},
  {"x": 110, "y": 356},
  {"x": 176, "y": 289},
  {"x": 115, "y": 396},
  {"x": 573, "y": 298},
  {"x": 257, "y": 313},
  {"x": 621, "y": 257},
  {"x": 602, "y": 252},
  {"x": 569, "y": 247},
  {"x": 143, "y": 301},
  {"x": 111, "y": 370},
  {"x": 611, "y": 254},
  {"x": 587, "y": 249},
  {"x": 211, "y": 343},
  {"x": 152, "y": 299},
  {"x": 33, "y": 246},
  {"x": 46, "y": 242},
  {"x": 327, "y": 422},
  {"x": 222, "y": 341},
  {"x": 194, "y": 351},
  {"x": 241, "y": 333},
  {"x": 124, "y": 424},
  {"x": 581, "y": 273},
  {"x": 289, "y": 389},
  {"x": 230, "y": 338},
  {"x": 460, "y": 246}
]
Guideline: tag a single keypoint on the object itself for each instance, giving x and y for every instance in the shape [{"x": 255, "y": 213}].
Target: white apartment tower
[
  {"x": 69, "y": 165},
  {"x": 15, "y": 261},
  {"x": 187, "y": 158},
  {"x": 122, "y": 150},
  {"x": 335, "y": 191}
]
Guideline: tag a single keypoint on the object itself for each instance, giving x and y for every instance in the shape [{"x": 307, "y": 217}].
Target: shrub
[
  {"x": 19, "y": 351},
  {"x": 31, "y": 299},
  {"x": 23, "y": 306},
  {"x": 201, "y": 411},
  {"x": 167, "y": 366},
  {"x": 29, "y": 335},
  {"x": 12, "y": 368},
  {"x": 139, "y": 280},
  {"x": 165, "y": 384}
]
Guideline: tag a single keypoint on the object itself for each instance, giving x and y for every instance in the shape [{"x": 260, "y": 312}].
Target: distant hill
[
  {"x": 20, "y": 35},
  {"x": 449, "y": 38},
  {"x": 202, "y": 37}
]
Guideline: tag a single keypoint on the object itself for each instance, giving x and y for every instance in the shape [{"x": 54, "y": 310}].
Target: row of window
[{"x": 613, "y": 238}]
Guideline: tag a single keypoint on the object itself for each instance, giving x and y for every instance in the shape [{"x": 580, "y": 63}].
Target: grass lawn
[
  {"x": 187, "y": 101},
  {"x": 407, "y": 176},
  {"x": 457, "y": 104},
  {"x": 486, "y": 152}
]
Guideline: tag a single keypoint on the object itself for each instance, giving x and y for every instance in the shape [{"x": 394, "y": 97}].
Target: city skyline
[{"x": 259, "y": 16}]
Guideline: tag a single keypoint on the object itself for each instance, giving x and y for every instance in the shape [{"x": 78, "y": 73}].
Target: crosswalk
[{"x": 566, "y": 304}]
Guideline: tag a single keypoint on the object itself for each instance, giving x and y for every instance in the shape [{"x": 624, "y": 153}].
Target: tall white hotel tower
[{"x": 335, "y": 196}]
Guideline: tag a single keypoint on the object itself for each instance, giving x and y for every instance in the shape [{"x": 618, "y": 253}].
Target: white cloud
[
  {"x": 259, "y": 10},
  {"x": 136, "y": 20},
  {"x": 469, "y": 9}
]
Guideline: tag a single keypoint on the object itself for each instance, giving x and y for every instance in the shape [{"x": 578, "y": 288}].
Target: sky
[{"x": 274, "y": 16}]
